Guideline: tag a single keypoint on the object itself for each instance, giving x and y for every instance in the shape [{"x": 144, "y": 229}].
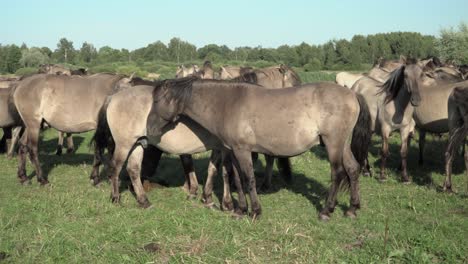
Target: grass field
[{"x": 70, "y": 221}]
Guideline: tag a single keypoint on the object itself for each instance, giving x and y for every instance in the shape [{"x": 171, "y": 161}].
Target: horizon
[{"x": 44, "y": 24}]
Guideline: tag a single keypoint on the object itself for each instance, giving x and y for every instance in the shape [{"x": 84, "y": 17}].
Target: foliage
[
  {"x": 33, "y": 57},
  {"x": 453, "y": 44},
  {"x": 25, "y": 71}
]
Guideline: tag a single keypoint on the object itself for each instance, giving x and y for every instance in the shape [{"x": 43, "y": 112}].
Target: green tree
[
  {"x": 10, "y": 57},
  {"x": 453, "y": 44},
  {"x": 180, "y": 50},
  {"x": 88, "y": 52},
  {"x": 33, "y": 57},
  {"x": 65, "y": 53}
]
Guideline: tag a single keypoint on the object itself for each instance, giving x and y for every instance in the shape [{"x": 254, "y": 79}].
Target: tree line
[{"x": 340, "y": 54}]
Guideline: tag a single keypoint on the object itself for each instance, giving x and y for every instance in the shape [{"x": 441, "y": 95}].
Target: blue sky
[{"x": 134, "y": 24}]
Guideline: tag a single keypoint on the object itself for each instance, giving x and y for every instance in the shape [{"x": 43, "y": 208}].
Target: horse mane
[
  {"x": 140, "y": 81},
  {"x": 248, "y": 77},
  {"x": 176, "y": 90},
  {"x": 393, "y": 84}
]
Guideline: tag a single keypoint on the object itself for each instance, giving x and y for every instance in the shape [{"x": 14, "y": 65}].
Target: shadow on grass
[
  {"x": 434, "y": 160},
  {"x": 171, "y": 174}
]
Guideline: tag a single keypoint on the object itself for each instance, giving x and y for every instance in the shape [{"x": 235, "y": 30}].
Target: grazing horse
[
  {"x": 391, "y": 107},
  {"x": 231, "y": 72},
  {"x": 347, "y": 79},
  {"x": 69, "y": 104},
  {"x": 458, "y": 129},
  {"x": 249, "y": 119}
]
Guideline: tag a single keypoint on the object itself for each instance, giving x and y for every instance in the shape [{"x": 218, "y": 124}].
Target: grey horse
[{"x": 249, "y": 119}]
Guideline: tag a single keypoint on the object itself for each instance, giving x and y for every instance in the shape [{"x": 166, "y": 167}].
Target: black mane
[
  {"x": 176, "y": 90},
  {"x": 392, "y": 86}
]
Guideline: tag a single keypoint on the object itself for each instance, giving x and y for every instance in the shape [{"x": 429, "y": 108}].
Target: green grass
[{"x": 70, "y": 221}]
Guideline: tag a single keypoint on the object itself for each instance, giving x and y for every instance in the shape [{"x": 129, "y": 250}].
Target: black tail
[
  {"x": 362, "y": 132},
  {"x": 284, "y": 166},
  {"x": 102, "y": 138}
]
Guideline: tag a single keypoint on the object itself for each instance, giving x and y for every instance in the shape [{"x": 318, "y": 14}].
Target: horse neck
[
  {"x": 402, "y": 102},
  {"x": 204, "y": 106}
]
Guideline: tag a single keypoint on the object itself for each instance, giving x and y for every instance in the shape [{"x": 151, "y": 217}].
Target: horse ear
[{"x": 402, "y": 59}]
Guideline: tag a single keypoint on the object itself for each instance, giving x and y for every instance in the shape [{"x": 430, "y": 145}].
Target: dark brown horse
[{"x": 249, "y": 119}]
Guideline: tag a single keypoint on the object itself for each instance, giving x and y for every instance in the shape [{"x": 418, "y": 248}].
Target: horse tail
[
  {"x": 284, "y": 165},
  {"x": 102, "y": 138},
  {"x": 361, "y": 138}
]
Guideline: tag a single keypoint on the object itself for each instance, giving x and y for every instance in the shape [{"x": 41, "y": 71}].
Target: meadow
[{"x": 70, "y": 221}]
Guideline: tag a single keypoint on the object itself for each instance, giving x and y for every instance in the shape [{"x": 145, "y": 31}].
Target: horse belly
[
  {"x": 288, "y": 142},
  {"x": 183, "y": 140}
]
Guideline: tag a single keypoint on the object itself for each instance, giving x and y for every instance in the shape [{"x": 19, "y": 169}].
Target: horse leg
[
  {"x": 284, "y": 166},
  {"x": 94, "y": 177},
  {"x": 5, "y": 137},
  {"x": 134, "y": 168},
  {"x": 384, "y": 153},
  {"x": 16, "y": 135},
  {"x": 268, "y": 172},
  {"x": 245, "y": 167},
  {"x": 405, "y": 138},
  {"x": 207, "y": 196},
  {"x": 115, "y": 166},
  {"x": 60, "y": 144},
  {"x": 33, "y": 141},
  {"x": 422, "y": 143},
  {"x": 151, "y": 158},
  {"x": 190, "y": 176},
  {"x": 337, "y": 174},
  {"x": 227, "y": 204},
  {"x": 233, "y": 163},
  {"x": 70, "y": 145},
  {"x": 254, "y": 157},
  {"x": 22, "y": 152},
  {"x": 352, "y": 169}
]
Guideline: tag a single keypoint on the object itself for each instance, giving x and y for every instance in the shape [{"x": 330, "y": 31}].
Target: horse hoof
[
  {"x": 115, "y": 199},
  {"x": 145, "y": 205},
  {"x": 211, "y": 206},
  {"x": 69, "y": 151},
  {"x": 227, "y": 207},
  {"x": 25, "y": 182},
  {"x": 383, "y": 180},
  {"x": 448, "y": 189},
  {"x": 58, "y": 152},
  {"x": 324, "y": 217},
  {"x": 255, "y": 215},
  {"x": 350, "y": 214},
  {"x": 44, "y": 182},
  {"x": 406, "y": 182},
  {"x": 237, "y": 216}
]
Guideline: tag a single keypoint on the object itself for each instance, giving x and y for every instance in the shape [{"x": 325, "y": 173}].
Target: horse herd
[{"x": 237, "y": 113}]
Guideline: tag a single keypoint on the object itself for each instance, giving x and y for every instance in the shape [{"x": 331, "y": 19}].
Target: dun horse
[
  {"x": 391, "y": 106},
  {"x": 69, "y": 104},
  {"x": 249, "y": 119}
]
